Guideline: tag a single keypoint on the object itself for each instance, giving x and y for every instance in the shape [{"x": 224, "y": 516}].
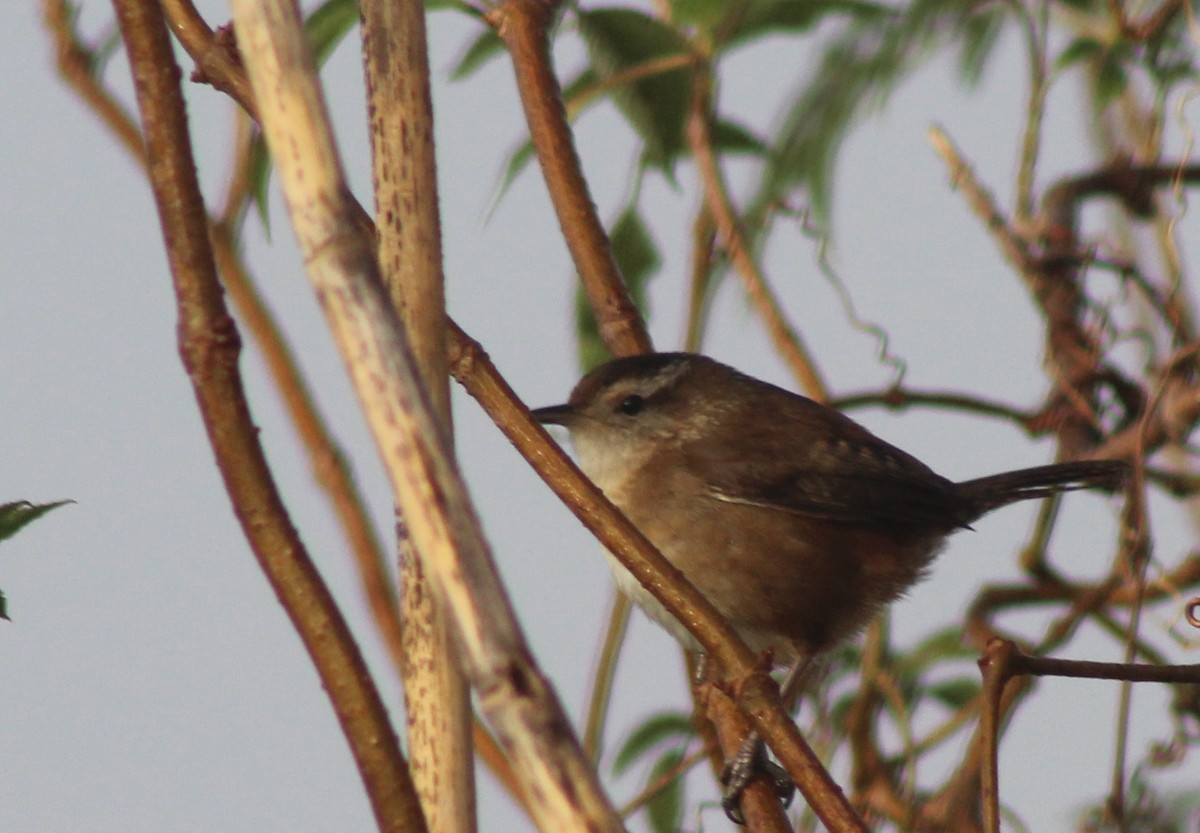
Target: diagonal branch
[
  {"x": 523, "y": 25},
  {"x": 784, "y": 336}
]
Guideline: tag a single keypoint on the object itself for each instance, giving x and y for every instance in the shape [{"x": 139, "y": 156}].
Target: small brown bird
[{"x": 797, "y": 523}]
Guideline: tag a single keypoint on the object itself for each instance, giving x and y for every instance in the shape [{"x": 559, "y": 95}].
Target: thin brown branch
[
  {"x": 75, "y": 65},
  {"x": 1036, "y": 30},
  {"x": 646, "y": 69},
  {"x": 215, "y": 53},
  {"x": 523, "y": 24},
  {"x": 1134, "y": 185},
  {"x": 997, "y": 670},
  {"x": 899, "y": 398},
  {"x": 1073, "y": 356},
  {"x": 209, "y": 345},
  {"x": 1022, "y": 663},
  {"x": 786, "y": 339},
  {"x": 330, "y": 467},
  {"x": 872, "y": 779},
  {"x": 980, "y": 200},
  {"x": 656, "y": 786},
  {"x": 703, "y": 236}
]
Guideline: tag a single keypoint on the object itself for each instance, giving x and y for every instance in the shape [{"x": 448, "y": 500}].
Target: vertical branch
[
  {"x": 209, "y": 347},
  {"x": 758, "y": 803},
  {"x": 436, "y": 696},
  {"x": 563, "y": 792},
  {"x": 996, "y": 666},
  {"x": 523, "y": 25}
]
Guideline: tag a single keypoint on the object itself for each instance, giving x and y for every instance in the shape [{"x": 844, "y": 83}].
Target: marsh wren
[{"x": 797, "y": 523}]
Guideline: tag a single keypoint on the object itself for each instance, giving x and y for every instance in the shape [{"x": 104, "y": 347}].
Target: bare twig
[
  {"x": 787, "y": 341},
  {"x": 897, "y": 399},
  {"x": 330, "y": 468},
  {"x": 75, "y": 66},
  {"x": 215, "y": 54},
  {"x": 981, "y": 201},
  {"x": 523, "y": 24}
]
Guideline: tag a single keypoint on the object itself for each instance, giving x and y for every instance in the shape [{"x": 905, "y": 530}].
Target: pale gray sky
[{"x": 150, "y": 680}]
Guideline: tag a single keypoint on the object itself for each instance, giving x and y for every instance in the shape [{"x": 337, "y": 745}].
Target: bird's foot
[{"x": 750, "y": 762}]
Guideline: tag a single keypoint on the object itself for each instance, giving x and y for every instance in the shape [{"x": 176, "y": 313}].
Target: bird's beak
[{"x": 555, "y": 415}]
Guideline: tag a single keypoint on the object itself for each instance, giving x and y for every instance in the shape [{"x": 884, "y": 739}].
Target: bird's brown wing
[{"x": 873, "y": 485}]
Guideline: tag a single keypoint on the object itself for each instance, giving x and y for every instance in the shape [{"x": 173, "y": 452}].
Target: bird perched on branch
[{"x": 797, "y": 523}]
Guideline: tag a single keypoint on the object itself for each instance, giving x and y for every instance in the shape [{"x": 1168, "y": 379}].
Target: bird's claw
[{"x": 750, "y": 762}]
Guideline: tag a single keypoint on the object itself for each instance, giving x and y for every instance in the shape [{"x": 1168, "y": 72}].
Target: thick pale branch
[{"x": 529, "y": 721}]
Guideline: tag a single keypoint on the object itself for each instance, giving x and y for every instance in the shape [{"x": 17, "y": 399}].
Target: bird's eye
[{"x": 631, "y": 405}]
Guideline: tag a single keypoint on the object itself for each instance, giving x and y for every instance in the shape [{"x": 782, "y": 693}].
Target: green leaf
[
  {"x": 638, "y": 260},
  {"x": 731, "y": 137},
  {"x": 635, "y": 252},
  {"x": 665, "y": 810},
  {"x": 1080, "y": 49},
  {"x": 771, "y": 17},
  {"x": 17, "y": 514},
  {"x": 941, "y": 646},
  {"x": 1111, "y": 78},
  {"x": 518, "y": 159},
  {"x": 453, "y": 5},
  {"x": 702, "y": 14},
  {"x": 487, "y": 45},
  {"x": 955, "y": 693},
  {"x": 862, "y": 61},
  {"x": 654, "y": 730},
  {"x": 656, "y": 105},
  {"x": 260, "y": 180},
  {"x": 981, "y": 32},
  {"x": 328, "y": 25}
]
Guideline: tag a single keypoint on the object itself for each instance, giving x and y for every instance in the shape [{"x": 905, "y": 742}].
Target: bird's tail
[{"x": 988, "y": 493}]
